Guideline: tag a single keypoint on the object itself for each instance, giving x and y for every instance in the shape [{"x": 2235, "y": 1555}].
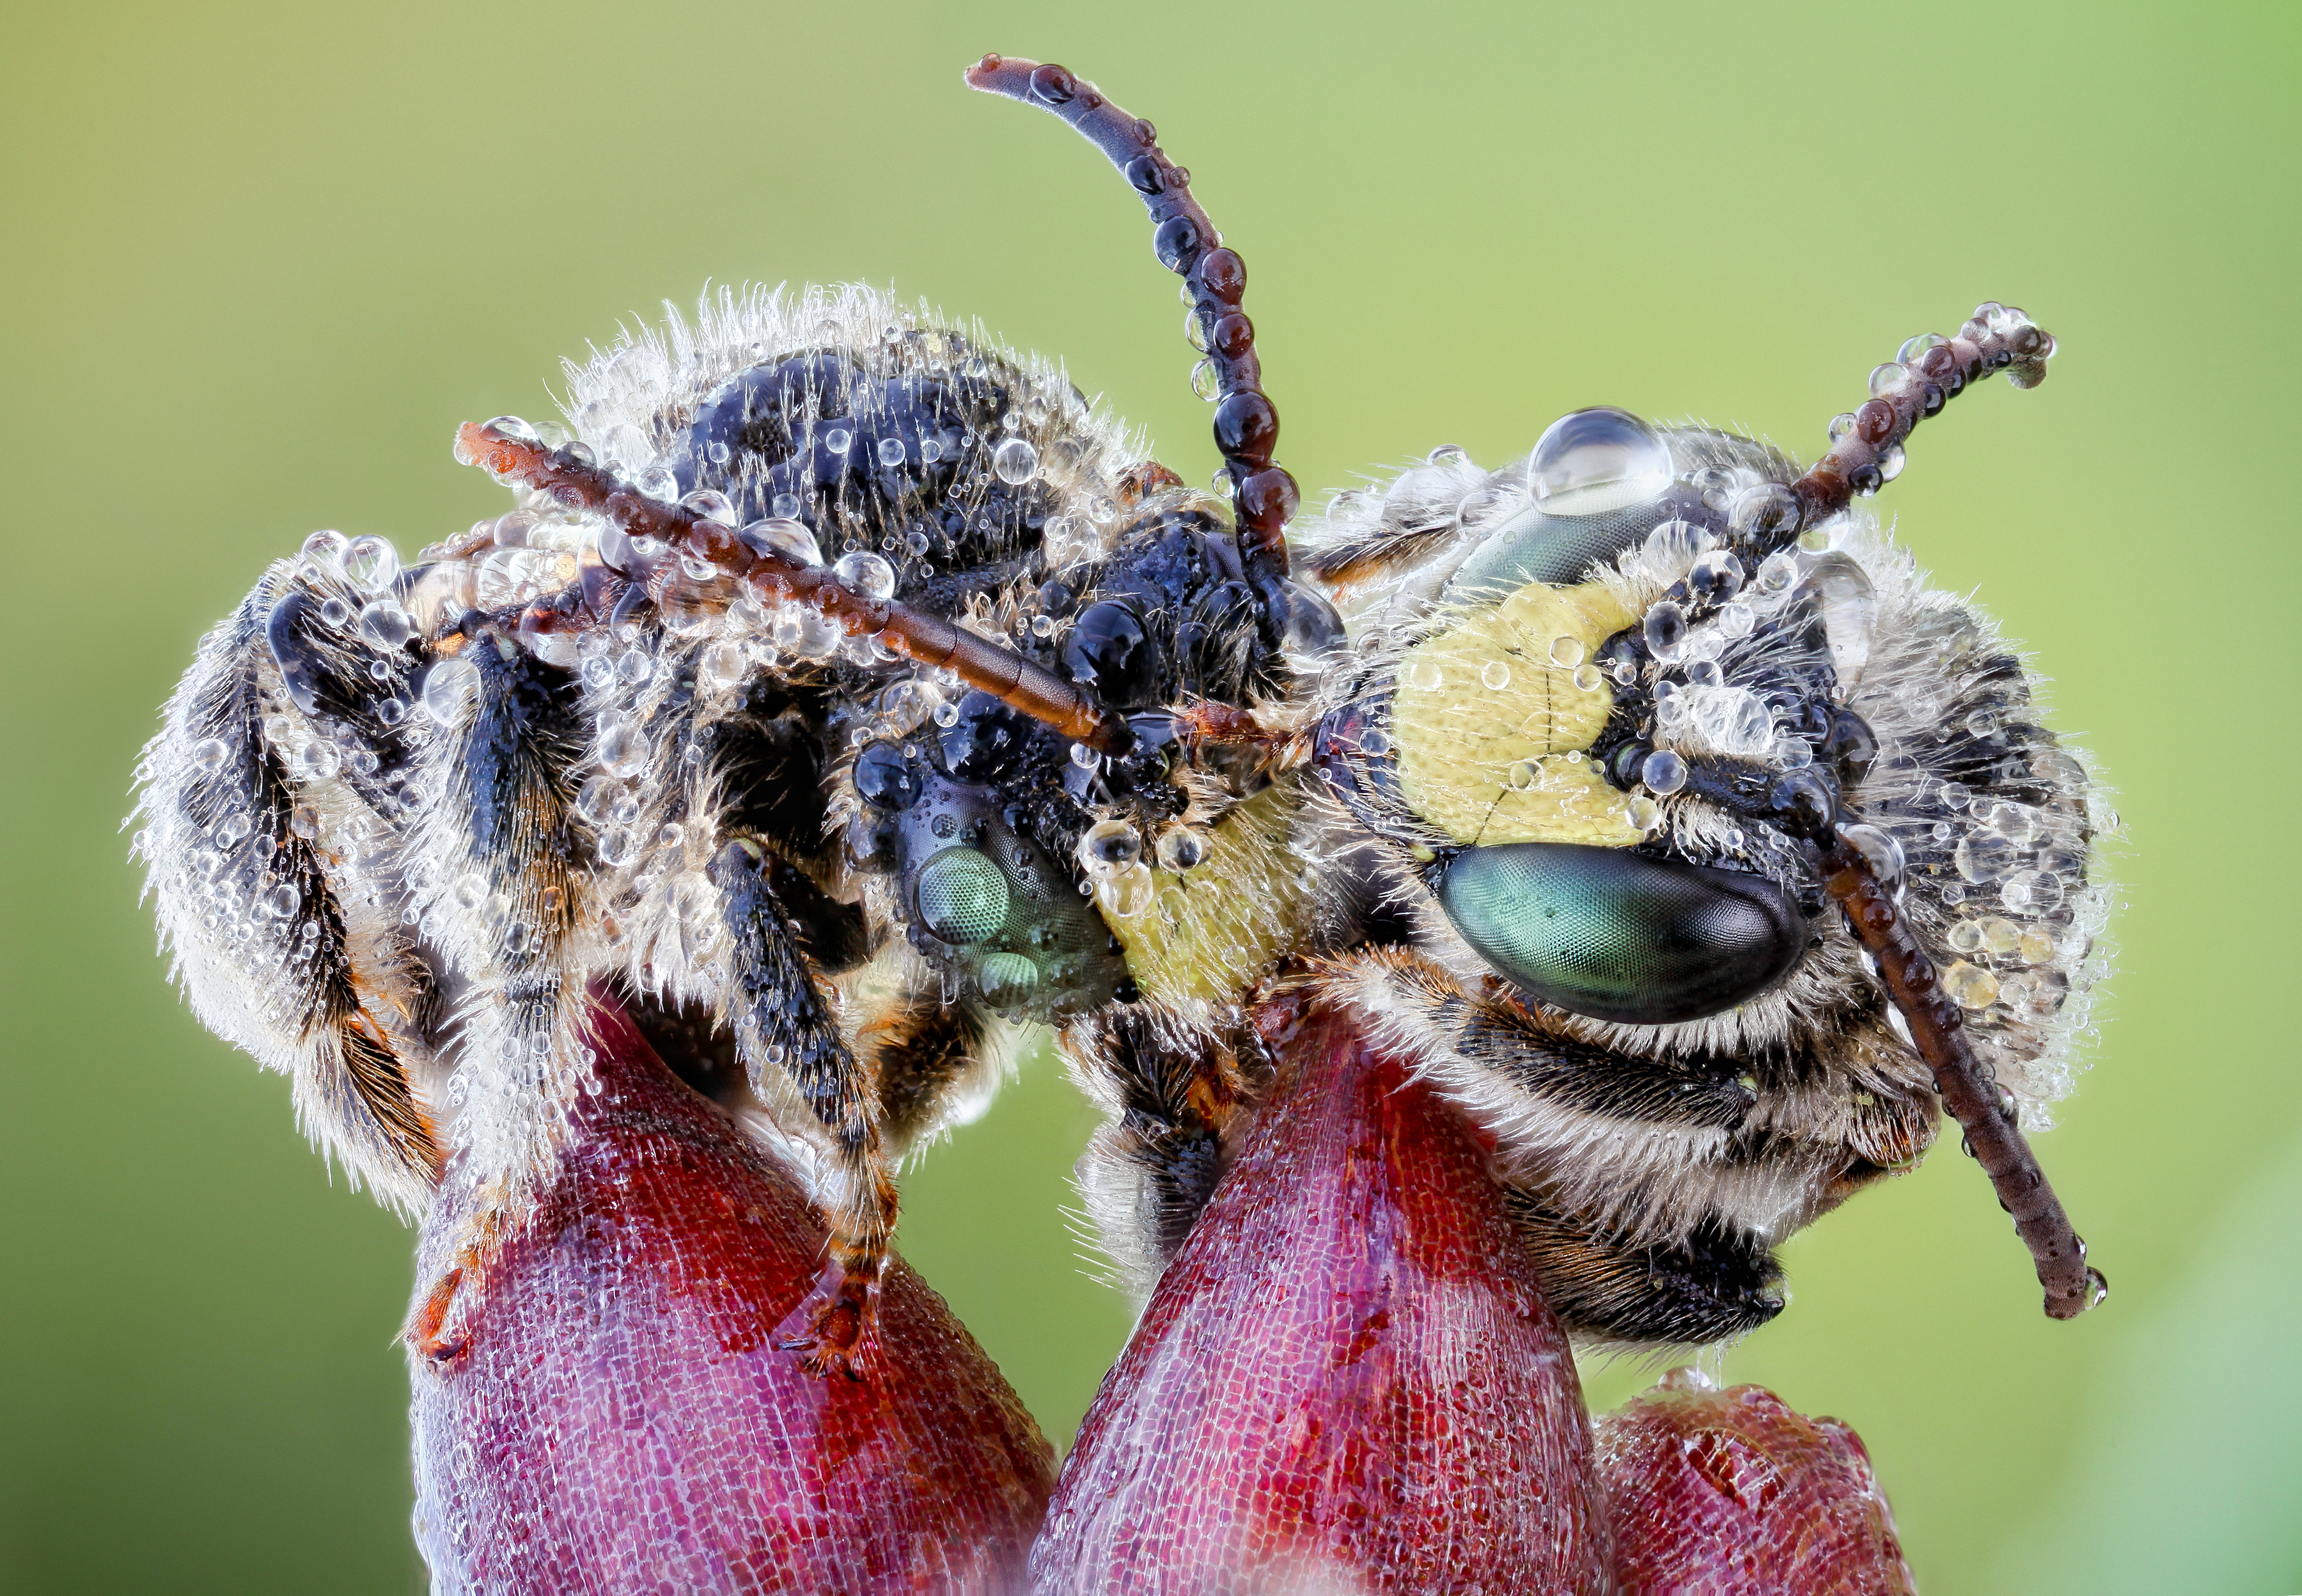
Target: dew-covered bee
[{"x": 847, "y": 693}]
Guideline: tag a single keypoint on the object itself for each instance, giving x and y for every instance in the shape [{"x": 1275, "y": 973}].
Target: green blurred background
[{"x": 258, "y": 261}]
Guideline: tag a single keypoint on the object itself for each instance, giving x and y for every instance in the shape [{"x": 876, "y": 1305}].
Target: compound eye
[
  {"x": 1619, "y": 936},
  {"x": 962, "y": 897},
  {"x": 1597, "y": 478}
]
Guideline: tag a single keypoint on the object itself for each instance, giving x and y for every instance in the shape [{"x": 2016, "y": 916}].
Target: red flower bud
[
  {"x": 609, "y": 1408},
  {"x": 1731, "y": 1490},
  {"x": 1347, "y": 1379}
]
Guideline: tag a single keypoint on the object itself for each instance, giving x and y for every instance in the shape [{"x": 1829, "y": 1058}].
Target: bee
[{"x": 850, "y": 695}]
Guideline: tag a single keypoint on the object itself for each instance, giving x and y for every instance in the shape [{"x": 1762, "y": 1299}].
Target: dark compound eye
[
  {"x": 963, "y": 896},
  {"x": 1111, "y": 651},
  {"x": 1620, "y": 936}
]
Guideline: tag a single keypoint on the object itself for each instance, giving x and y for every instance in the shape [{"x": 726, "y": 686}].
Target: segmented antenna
[
  {"x": 1963, "y": 1082},
  {"x": 929, "y": 639},
  {"x": 1247, "y": 424},
  {"x": 1866, "y": 445}
]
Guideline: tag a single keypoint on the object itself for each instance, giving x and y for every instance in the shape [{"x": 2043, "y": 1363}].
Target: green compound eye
[
  {"x": 1619, "y": 936},
  {"x": 963, "y": 896},
  {"x": 1008, "y": 979}
]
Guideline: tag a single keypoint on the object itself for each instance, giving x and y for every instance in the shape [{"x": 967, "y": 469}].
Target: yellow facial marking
[
  {"x": 1490, "y": 725},
  {"x": 1213, "y": 929}
]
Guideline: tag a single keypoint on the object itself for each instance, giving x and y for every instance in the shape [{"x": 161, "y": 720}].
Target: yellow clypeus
[
  {"x": 1211, "y": 929},
  {"x": 1488, "y": 722}
]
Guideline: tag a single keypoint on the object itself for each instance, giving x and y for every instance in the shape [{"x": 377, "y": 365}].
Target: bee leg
[
  {"x": 797, "y": 1058},
  {"x": 268, "y": 779},
  {"x": 1152, "y": 1167},
  {"x": 924, "y": 1052},
  {"x": 496, "y": 817},
  {"x": 1718, "y": 1282}
]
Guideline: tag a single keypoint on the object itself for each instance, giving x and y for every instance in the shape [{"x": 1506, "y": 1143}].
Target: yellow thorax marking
[{"x": 1489, "y": 726}]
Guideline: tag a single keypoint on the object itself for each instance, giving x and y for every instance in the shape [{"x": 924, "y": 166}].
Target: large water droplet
[
  {"x": 1595, "y": 460},
  {"x": 623, "y": 749},
  {"x": 1842, "y": 593},
  {"x": 1983, "y": 855},
  {"x": 386, "y": 625},
  {"x": 449, "y": 689},
  {"x": 865, "y": 574},
  {"x": 782, "y": 535},
  {"x": 1015, "y": 461},
  {"x": 372, "y": 563},
  {"x": 721, "y": 666},
  {"x": 710, "y": 505}
]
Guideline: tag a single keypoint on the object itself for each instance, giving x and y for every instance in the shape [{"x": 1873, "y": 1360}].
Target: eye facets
[
  {"x": 1595, "y": 460},
  {"x": 1619, "y": 936},
  {"x": 963, "y": 896}
]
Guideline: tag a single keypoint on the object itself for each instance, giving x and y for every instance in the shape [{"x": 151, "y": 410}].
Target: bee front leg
[{"x": 789, "y": 1038}]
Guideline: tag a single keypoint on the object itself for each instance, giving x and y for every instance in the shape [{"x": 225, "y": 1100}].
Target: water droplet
[
  {"x": 1880, "y": 852},
  {"x": 1841, "y": 424},
  {"x": 449, "y": 689},
  {"x": 623, "y": 748},
  {"x": 1840, "y": 591},
  {"x": 1495, "y": 673},
  {"x": 710, "y": 505},
  {"x": 1731, "y": 719},
  {"x": 838, "y": 440},
  {"x": 386, "y": 625},
  {"x": 1777, "y": 572},
  {"x": 867, "y": 573},
  {"x": 659, "y": 483},
  {"x": 1587, "y": 679},
  {"x": 1015, "y": 460},
  {"x": 1664, "y": 772},
  {"x": 1590, "y": 461},
  {"x": 1764, "y": 510},
  {"x": 1983, "y": 855},
  {"x": 512, "y": 426},
  {"x": 721, "y": 666},
  {"x": 1644, "y": 813},
  {"x": 372, "y": 563},
  {"x": 1108, "y": 846},
  {"x": 1969, "y": 985},
  {"x": 391, "y": 711},
  {"x": 617, "y": 845},
  {"x": 207, "y": 754},
  {"x": 1181, "y": 848},
  {"x": 1664, "y": 630},
  {"x": 1126, "y": 892},
  {"x": 595, "y": 797},
  {"x": 334, "y": 612},
  {"x": 1717, "y": 574},
  {"x": 1423, "y": 673},
  {"x": 1886, "y": 379},
  {"x": 1523, "y": 775},
  {"x": 780, "y": 534}
]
